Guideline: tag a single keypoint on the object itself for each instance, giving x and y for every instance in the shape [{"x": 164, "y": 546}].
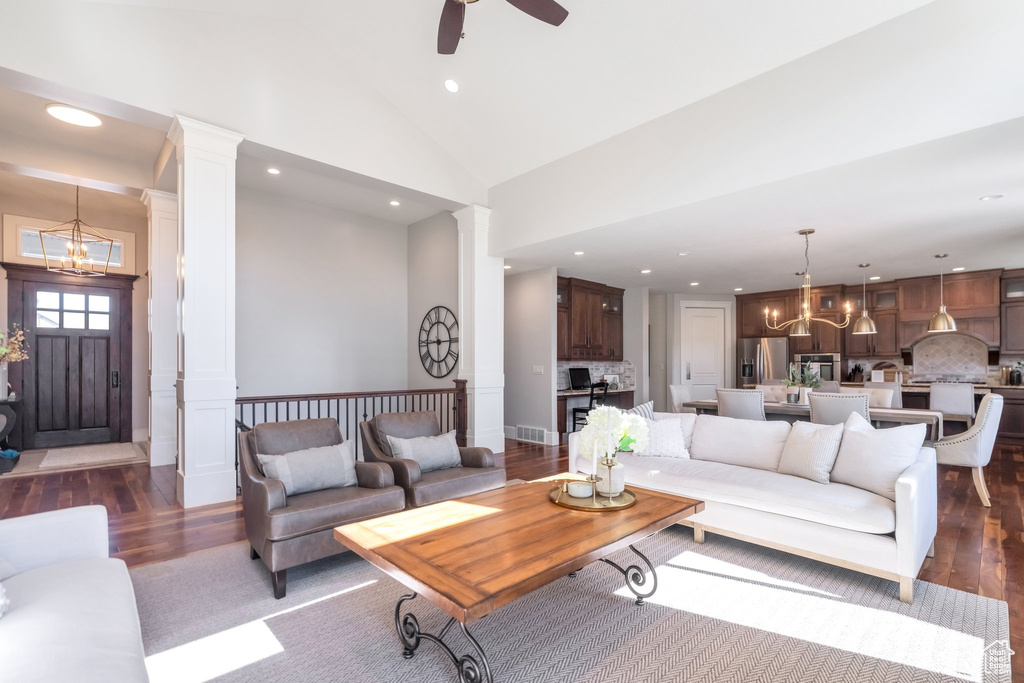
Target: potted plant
[
  {"x": 800, "y": 381},
  {"x": 608, "y": 431}
]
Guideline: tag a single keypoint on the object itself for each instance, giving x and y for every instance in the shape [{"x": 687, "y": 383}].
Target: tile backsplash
[
  {"x": 625, "y": 370},
  {"x": 951, "y": 355}
]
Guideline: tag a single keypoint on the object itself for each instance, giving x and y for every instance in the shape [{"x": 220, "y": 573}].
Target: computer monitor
[{"x": 579, "y": 378}]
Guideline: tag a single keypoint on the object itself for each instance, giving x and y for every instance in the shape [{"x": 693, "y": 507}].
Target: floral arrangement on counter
[
  {"x": 802, "y": 376},
  {"x": 12, "y": 346},
  {"x": 610, "y": 430}
]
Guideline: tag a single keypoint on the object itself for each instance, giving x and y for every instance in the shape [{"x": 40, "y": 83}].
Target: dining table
[{"x": 881, "y": 416}]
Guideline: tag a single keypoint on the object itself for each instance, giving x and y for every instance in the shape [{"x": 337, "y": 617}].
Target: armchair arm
[
  {"x": 262, "y": 493},
  {"x": 916, "y": 513},
  {"x": 477, "y": 457},
  {"x": 38, "y": 540},
  {"x": 407, "y": 472},
  {"x": 374, "y": 475}
]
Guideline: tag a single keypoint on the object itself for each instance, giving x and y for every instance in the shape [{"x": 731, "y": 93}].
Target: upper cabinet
[
  {"x": 1012, "y": 313},
  {"x": 751, "y": 317},
  {"x": 973, "y": 299},
  {"x": 590, "y": 325}
]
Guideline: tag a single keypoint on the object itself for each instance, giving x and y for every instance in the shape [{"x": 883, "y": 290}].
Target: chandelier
[
  {"x": 79, "y": 238},
  {"x": 801, "y": 325}
]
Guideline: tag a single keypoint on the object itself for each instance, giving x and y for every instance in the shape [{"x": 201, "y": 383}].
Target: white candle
[{"x": 594, "y": 460}]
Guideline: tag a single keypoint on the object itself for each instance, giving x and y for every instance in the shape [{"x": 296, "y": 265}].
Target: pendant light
[
  {"x": 941, "y": 321},
  {"x": 864, "y": 324}
]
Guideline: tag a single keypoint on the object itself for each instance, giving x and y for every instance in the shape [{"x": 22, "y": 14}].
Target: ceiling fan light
[
  {"x": 800, "y": 329},
  {"x": 942, "y": 322},
  {"x": 864, "y": 325}
]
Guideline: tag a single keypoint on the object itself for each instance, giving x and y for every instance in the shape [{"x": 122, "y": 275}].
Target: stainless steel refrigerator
[{"x": 758, "y": 360}]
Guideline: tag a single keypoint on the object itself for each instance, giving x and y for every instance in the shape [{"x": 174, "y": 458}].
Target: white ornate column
[
  {"x": 162, "y": 209},
  {"x": 481, "y": 330},
  {"x": 206, "y": 311}
]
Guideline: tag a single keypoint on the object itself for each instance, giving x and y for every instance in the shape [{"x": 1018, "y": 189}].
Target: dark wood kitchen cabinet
[
  {"x": 973, "y": 299},
  {"x": 590, "y": 321},
  {"x": 1011, "y": 424},
  {"x": 1011, "y": 331},
  {"x": 564, "y": 322},
  {"x": 750, "y": 313},
  {"x": 883, "y": 343}
]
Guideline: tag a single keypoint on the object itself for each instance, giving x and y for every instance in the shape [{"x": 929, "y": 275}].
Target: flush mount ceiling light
[
  {"x": 801, "y": 325},
  {"x": 941, "y": 321},
  {"x": 273, "y": 171},
  {"x": 694, "y": 284},
  {"x": 959, "y": 269},
  {"x": 76, "y": 117},
  {"x": 875, "y": 277},
  {"x": 683, "y": 253},
  {"x": 991, "y": 197},
  {"x": 78, "y": 237},
  {"x": 451, "y": 86},
  {"x": 508, "y": 267},
  {"x": 645, "y": 271},
  {"x": 738, "y": 289},
  {"x": 864, "y": 324},
  {"x": 577, "y": 253},
  {"x": 395, "y": 202}
]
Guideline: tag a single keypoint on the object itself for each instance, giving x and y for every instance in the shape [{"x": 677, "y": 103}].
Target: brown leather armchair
[
  {"x": 286, "y": 531},
  {"x": 477, "y": 473}
]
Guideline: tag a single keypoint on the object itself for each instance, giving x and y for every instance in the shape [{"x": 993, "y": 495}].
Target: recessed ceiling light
[
  {"x": 959, "y": 269},
  {"x": 738, "y": 289},
  {"x": 577, "y": 253},
  {"x": 683, "y": 253},
  {"x": 990, "y": 197},
  {"x": 273, "y": 171},
  {"x": 645, "y": 271},
  {"x": 508, "y": 267},
  {"x": 451, "y": 86},
  {"x": 694, "y": 284},
  {"x": 875, "y": 277},
  {"x": 395, "y": 202},
  {"x": 75, "y": 117}
]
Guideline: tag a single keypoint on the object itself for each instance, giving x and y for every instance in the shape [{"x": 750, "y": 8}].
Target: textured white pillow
[
  {"x": 431, "y": 452},
  {"x": 312, "y": 469},
  {"x": 748, "y": 443},
  {"x": 665, "y": 438},
  {"x": 811, "y": 450},
  {"x": 4, "y": 602},
  {"x": 685, "y": 420},
  {"x": 644, "y": 410},
  {"x": 873, "y": 459}
]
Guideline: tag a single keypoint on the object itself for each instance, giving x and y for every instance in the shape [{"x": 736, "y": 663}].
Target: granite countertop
[
  {"x": 925, "y": 388},
  {"x": 586, "y": 392}
]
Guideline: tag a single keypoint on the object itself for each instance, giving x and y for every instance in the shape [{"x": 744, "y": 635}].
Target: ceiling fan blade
[
  {"x": 545, "y": 10},
  {"x": 449, "y": 32}
]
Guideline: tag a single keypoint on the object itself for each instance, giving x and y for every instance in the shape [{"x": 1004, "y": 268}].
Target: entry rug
[{"x": 724, "y": 611}]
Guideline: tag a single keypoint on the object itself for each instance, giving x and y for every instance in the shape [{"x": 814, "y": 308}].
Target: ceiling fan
[{"x": 453, "y": 15}]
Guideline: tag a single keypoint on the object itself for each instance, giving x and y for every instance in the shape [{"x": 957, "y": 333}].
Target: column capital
[
  {"x": 159, "y": 201},
  {"x": 186, "y": 131},
  {"x": 473, "y": 217}
]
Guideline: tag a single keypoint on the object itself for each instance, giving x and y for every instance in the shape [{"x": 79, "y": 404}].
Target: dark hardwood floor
[{"x": 979, "y": 550}]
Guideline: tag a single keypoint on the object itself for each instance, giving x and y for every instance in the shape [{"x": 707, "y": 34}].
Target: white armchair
[{"x": 973, "y": 448}]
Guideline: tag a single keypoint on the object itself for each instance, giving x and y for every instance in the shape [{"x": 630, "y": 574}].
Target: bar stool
[{"x": 955, "y": 400}]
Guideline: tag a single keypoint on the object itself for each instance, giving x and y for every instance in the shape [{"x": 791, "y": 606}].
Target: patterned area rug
[{"x": 724, "y": 611}]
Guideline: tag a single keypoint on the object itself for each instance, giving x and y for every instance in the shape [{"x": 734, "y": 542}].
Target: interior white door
[{"x": 703, "y": 351}]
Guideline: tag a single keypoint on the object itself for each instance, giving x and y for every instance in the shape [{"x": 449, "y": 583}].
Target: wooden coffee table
[{"x": 470, "y": 556}]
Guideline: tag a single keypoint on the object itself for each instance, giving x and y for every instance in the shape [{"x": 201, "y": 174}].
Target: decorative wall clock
[{"x": 439, "y": 341}]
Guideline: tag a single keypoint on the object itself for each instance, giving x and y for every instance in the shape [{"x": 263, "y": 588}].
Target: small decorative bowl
[{"x": 580, "y": 489}]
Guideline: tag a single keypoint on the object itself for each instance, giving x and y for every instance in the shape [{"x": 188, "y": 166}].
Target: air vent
[{"x": 531, "y": 434}]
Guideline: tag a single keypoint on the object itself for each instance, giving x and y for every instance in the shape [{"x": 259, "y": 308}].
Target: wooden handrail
[{"x": 346, "y": 395}]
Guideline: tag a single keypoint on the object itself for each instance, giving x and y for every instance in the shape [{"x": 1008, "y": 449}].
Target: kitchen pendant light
[
  {"x": 78, "y": 238},
  {"x": 801, "y": 325},
  {"x": 864, "y": 324},
  {"x": 941, "y": 321}
]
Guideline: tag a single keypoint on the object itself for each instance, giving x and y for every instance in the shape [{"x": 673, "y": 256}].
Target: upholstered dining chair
[
  {"x": 877, "y": 398},
  {"x": 829, "y": 387},
  {"x": 955, "y": 400},
  {"x": 286, "y": 531},
  {"x": 973, "y": 448},
  {"x": 742, "y": 404},
  {"x": 834, "y": 409},
  {"x": 894, "y": 387},
  {"x": 598, "y": 395},
  {"x": 679, "y": 394},
  {"x": 476, "y": 473}
]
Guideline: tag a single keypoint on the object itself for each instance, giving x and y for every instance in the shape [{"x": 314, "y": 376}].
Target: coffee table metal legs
[
  {"x": 636, "y": 578},
  {"x": 472, "y": 669}
]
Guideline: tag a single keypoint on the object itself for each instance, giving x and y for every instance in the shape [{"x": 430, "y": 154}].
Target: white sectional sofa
[
  {"x": 72, "y": 614},
  {"x": 733, "y": 468}
]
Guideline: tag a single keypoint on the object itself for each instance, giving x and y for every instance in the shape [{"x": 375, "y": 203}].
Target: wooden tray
[{"x": 595, "y": 503}]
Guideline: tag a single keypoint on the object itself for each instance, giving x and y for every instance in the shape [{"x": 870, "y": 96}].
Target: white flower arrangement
[{"x": 610, "y": 430}]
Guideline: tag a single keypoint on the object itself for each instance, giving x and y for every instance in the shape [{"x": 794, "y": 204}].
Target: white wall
[
  {"x": 530, "y": 332},
  {"x": 659, "y": 351},
  {"x": 433, "y": 281},
  {"x": 636, "y": 337},
  {"x": 321, "y": 299},
  {"x": 56, "y": 202}
]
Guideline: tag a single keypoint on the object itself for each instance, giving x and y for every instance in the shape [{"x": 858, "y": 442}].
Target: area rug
[
  {"x": 724, "y": 611},
  {"x": 70, "y": 458}
]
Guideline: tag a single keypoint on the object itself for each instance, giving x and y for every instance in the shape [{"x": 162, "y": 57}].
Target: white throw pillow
[
  {"x": 644, "y": 410},
  {"x": 665, "y": 438},
  {"x": 873, "y": 459},
  {"x": 686, "y": 421},
  {"x": 431, "y": 452},
  {"x": 4, "y": 602},
  {"x": 810, "y": 451},
  {"x": 748, "y": 443},
  {"x": 312, "y": 469}
]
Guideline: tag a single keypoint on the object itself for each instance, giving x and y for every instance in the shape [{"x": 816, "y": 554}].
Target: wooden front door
[{"x": 76, "y": 383}]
